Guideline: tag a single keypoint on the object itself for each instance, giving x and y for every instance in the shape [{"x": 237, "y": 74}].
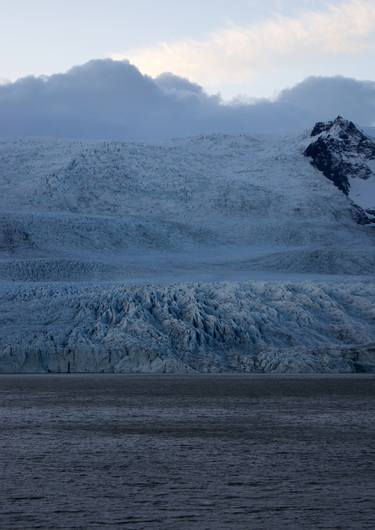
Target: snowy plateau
[{"x": 207, "y": 254}]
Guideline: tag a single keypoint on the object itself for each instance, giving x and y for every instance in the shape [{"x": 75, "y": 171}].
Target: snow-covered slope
[
  {"x": 107, "y": 209},
  {"x": 115, "y": 223}
]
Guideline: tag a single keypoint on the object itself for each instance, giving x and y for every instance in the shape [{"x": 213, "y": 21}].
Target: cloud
[
  {"x": 113, "y": 100},
  {"x": 329, "y": 96},
  {"x": 178, "y": 86},
  {"x": 243, "y": 53}
]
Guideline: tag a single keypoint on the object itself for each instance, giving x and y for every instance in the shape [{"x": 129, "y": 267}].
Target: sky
[
  {"x": 143, "y": 70},
  {"x": 250, "y": 48}
]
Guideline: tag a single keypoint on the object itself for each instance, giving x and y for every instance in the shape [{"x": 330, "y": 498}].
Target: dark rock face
[
  {"x": 325, "y": 159},
  {"x": 341, "y": 152}
]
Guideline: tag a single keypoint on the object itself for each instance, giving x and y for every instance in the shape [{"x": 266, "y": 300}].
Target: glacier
[
  {"x": 215, "y": 253},
  {"x": 262, "y": 327}
]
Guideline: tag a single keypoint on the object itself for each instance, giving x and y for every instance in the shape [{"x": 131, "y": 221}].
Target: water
[{"x": 187, "y": 453}]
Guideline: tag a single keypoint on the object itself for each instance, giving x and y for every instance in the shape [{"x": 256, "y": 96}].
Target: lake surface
[{"x": 227, "y": 452}]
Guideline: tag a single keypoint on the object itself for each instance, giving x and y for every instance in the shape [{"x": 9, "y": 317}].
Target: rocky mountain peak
[
  {"x": 346, "y": 135},
  {"x": 346, "y": 156}
]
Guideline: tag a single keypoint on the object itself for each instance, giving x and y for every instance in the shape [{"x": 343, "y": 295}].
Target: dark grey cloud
[
  {"x": 178, "y": 86},
  {"x": 108, "y": 99},
  {"x": 331, "y": 96}
]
